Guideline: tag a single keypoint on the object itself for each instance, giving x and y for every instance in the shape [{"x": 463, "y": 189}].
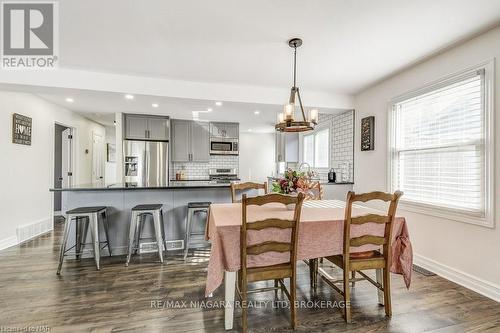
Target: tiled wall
[
  {"x": 200, "y": 170},
  {"x": 341, "y": 144}
]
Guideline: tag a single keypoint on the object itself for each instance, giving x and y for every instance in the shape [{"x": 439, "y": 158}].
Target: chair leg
[
  {"x": 131, "y": 236},
  {"x": 293, "y": 297},
  {"x": 63, "y": 245},
  {"x": 106, "y": 230},
  {"x": 163, "y": 229},
  {"x": 347, "y": 297},
  {"x": 353, "y": 276},
  {"x": 158, "y": 235},
  {"x": 188, "y": 232},
  {"x": 244, "y": 306},
  {"x": 387, "y": 293},
  {"x": 77, "y": 238},
  {"x": 141, "y": 219},
  {"x": 94, "y": 231}
]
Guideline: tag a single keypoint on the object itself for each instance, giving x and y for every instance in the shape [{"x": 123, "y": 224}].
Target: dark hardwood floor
[{"x": 119, "y": 298}]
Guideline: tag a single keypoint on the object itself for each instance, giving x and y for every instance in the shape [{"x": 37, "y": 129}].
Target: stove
[{"x": 223, "y": 175}]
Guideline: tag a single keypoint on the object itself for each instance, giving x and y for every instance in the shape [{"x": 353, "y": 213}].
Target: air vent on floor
[
  {"x": 29, "y": 231},
  {"x": 149, "y": 247},
  {"x": 175, "y": 245},
  {"x": 423, "y": 271}
]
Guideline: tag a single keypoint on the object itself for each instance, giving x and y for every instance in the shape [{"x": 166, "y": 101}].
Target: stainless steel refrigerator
[{"x": 146, "y": 163}]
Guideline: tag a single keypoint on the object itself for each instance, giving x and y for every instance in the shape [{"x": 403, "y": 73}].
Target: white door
[
  {"x": 66, "y": 158},
  {"x": 97, "y": 158}
]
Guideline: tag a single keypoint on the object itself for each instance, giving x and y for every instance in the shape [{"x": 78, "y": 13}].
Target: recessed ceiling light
[
  {"x": 209, "y": 109},
  {"x": 256, "y": 112},
  {"x": 218, "y": 103},
  {"x": 128, "y": 96},
  {"x": 249, "y": 129},
  {"x": 155, "y": 105},
  {"x": 70, "y": 100}
]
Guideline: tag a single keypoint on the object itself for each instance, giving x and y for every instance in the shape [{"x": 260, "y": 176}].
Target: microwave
[{"x": 220, "y": 146}]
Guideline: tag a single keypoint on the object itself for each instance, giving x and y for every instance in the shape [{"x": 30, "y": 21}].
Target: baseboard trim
[
  {"x": 466, "y": 280},
  {"x": 8, "y": 242}
]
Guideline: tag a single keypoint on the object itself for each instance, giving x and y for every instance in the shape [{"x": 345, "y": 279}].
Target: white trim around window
[{"x": 482, "y": 215}]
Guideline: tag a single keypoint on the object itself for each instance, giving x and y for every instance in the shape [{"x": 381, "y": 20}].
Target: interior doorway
[{"x": 63, "y": 162}]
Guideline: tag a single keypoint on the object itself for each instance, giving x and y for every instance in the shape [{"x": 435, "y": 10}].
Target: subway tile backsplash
[
  {"x": 199, "y": 171},
  {"x": 341, "y": 144}
]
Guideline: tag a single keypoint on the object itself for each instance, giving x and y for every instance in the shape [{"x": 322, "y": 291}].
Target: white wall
[
  {"x": 256, "y": 156},
  {"x": 27, "y": 171},
  {"x": 465, "y": 253},
  {"x": 110, "y": 167}
]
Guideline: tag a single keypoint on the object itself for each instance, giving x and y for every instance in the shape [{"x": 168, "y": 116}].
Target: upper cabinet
[
  {"x": 190, "y": 141},
  {"x": 143, "y": 127},
  {"x": 224, "y": 130}
]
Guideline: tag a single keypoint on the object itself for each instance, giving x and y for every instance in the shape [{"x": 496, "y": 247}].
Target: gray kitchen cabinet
[
  {"x": 200, "y": 146},
  {"x": 136, "y": 127},
  {"x": 181, "y": 146},
  {"x": 145, "y": 127},
  {"x": 224, "y": 130},
  {"x": 158, "y": 128},
  {"x": 287, "y": 147},
  {"x": 190, "y": 141},
  {"x": 232, "y": 130}
]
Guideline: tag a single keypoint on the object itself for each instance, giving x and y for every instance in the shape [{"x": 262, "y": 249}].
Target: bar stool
[
  {"x": 137, "y": 221},
  {"x": 90, "y": 216},
  {"x": 194, "y": 208}
]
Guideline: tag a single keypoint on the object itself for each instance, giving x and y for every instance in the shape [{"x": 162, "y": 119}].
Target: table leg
[
  {"x": 229, "y": 291},
  {"x": 380, "y": 292}
]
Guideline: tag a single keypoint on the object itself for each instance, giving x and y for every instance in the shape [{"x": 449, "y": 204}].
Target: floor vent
[
  {"x": 149, "y": 247},
  {"x": 175, "y": 245},
  {"x": 29, "y": 231},
  {"x": 423, "y": 271}
]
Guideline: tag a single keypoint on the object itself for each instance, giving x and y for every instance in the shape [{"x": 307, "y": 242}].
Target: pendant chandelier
[{"x": 286, "y": 119}]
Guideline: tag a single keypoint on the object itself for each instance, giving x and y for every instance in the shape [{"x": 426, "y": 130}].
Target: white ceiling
[
  {"x": 348, "y": 45},
  {"x": 101, "y": 106}
]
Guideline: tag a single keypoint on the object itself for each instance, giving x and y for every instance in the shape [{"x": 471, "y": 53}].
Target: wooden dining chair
[
  {"x": 274, "y": 272},
  {"x": 315, "y": 192},
  {"x": 358, "y": 261},
  {"x": 246, "y": 186}
]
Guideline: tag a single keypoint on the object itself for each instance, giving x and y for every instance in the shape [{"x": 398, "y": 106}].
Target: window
[
  {"x": 316, "y": 147},
  {"x": 440, "y": 147}
]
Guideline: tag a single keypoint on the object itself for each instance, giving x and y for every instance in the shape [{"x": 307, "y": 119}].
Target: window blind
[{"x": 438, "y": 155}]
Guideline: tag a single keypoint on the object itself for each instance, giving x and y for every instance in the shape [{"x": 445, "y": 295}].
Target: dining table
[{"x": 320, "y": 234}]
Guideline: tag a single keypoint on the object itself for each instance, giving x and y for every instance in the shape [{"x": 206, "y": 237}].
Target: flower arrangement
[{"x": 295, "y": 182}]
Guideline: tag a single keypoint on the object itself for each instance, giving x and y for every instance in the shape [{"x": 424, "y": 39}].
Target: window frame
[
  {"x": 488, "y": 218},
  {"x": 318, "y": 128}
]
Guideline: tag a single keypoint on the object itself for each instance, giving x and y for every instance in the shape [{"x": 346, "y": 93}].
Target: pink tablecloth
[{"x": 320, "y": 235}]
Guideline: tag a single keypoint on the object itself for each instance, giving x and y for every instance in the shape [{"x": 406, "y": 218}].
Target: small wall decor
[
  {"x": 21, "y": 129},
  {"x": 111, "y": 152},
  {"x": 368, "y": 133}
]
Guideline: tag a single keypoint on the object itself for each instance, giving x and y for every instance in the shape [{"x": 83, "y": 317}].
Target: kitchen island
[{"x": 121, "y": 197}]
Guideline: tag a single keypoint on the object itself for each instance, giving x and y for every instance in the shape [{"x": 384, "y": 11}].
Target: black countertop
[
  {"x": 175, "y": 184},
  {"x": 322, "y": 182}
]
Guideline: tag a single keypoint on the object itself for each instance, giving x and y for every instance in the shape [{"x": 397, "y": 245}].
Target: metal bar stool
[
  {"x": 84, "y": 218},
  {"x": 137, "y": 221},
  {"x": 194, "y": 208}
]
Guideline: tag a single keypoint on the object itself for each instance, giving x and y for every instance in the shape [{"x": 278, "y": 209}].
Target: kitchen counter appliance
[
  {"x": 223, "y": 175},
  {"x": 220, "y": 146},
  {"x": 146, "y": 162}
]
